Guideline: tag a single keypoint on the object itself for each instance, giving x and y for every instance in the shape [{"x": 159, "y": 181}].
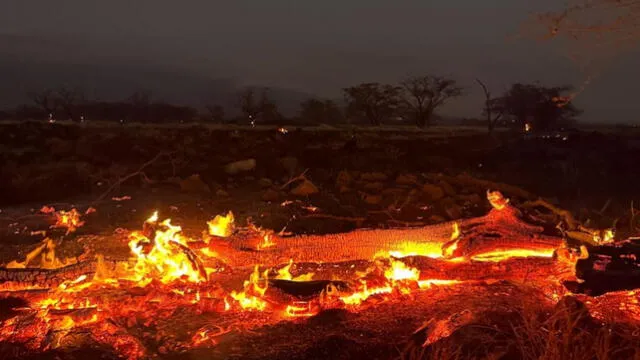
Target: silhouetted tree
[
  {"x": 373, "y": 102},
  {"x": 257, "y": 107},
  {"x": 542, "y": 107},
  {"x": 320, "y": 111},
  {"x": 69, "y": 100},
  {"x": 492, "y": 109},
  {"x": 46, "y": 100},
  {"x": 424, "y": 94}
]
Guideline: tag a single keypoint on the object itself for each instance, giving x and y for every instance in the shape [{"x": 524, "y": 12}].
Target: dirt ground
[{"x": 306, "y": 181}]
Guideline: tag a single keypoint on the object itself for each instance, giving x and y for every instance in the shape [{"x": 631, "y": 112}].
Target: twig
[
  {"x": 566, "y": 215},
  {"x": 299, "y": 177},
  {"x": 334, "y": 217},
  {"x": 139, "y": 172},
  {"x": 604, "y": 207}
]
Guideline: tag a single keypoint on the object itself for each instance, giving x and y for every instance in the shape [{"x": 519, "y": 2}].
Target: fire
[
  {"x": 222, "y": 226},
  {"x": 606, "y": 237},
  {"x": 47, "y": 254},
  {"x": 449, "y": 248},
  {"x": 496, "y": 200},
  {"x": 284, "y": 274},
  {"x": 66, "y": 219},
  {"x": 500, "y": 255},
  {"x": 161, "y": 252},
  {"x": 251, "y": 297},
  {"x": 267, "y": 241},
  {"x": 299, "y": 309},
  {"x": 399, "y": 271}
]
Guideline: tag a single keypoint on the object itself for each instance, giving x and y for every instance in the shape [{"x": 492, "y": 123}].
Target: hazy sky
[{"x": 322, "y": 46}]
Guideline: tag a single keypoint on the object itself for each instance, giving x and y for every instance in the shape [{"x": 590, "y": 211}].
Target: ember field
[{"x": 318, "y": 243}]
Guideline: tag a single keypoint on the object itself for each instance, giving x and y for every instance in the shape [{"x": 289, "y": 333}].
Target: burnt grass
[{"x": 364, "y": 178}]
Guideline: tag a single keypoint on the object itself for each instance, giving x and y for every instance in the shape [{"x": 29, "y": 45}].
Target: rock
[
  {"x": 393, "y": 192},
  {"x": 271, "y": 195},
  {"x": 240, "y": 166},
  {"x": 373, "y": 176},
  {"x": 448, "y": 189},
  {"x": 374, "y": 186},
  {"x": 434, "y": 192},
  {"x": 406, "y": 179},
  {"x": 437, "y": 219},
  {"x": 265, "y": 183},
  {"x": 344, "y": 179},
  {"x": 372, "y": 199},
  {"x": 290, "y": 164},
  {"x": 222, "y": 193},
  {"x": 305, "y": 188},
  {"x": 344, "y": 189},
  {"x": 193, "y": 184},
  {"x": 472, "y": 199},
  {"x": 453, "y": 210}
]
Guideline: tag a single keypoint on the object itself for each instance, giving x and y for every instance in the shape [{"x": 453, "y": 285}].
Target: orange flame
[{"x": 222, "y": 226}]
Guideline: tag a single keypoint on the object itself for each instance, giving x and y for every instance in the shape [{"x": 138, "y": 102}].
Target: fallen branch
[
  {"x": 571, "y": 222},
  {"x": 138, "y": 172},
  {"x": 294, "y": 179}
]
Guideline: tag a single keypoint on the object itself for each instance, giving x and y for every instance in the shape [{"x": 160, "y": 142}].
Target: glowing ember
[
  {"x": 221, "y": 226},
  {"x": 500, "y": 255},
  {"x": 299, "y": 309},
  {"x": 69, "y": 220}
]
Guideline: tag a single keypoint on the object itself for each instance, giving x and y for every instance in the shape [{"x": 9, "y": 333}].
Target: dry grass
[{"x": 566, "y": 333}]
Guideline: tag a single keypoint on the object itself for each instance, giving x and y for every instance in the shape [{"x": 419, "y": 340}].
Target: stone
[
  {"x": 374, "y": 186},
  {"x": 194, "y": 184},
  {"x": 448, "y": 189},
  {"x": 343, "y": 179},
  {"x": 240, "y": 166},
  {"x": 372, "y": 199},
  {"x": 406, "y": 179},
  {"x": 434, "y": 192},
  {"x": 453, "y": 210},
  {"x": 265, "y": 183},
  {"x": 222, "y": 193},
  {"x": 373, "y": 176},
  {"x": 271, "y": 195},
  {"x": 305, "y": 188}
]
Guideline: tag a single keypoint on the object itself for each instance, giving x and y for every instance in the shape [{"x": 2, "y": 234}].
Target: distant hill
[{"x": 22, "y": 69}]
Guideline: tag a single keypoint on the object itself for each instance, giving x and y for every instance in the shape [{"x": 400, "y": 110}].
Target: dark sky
[{"x": 317, "y": 46}]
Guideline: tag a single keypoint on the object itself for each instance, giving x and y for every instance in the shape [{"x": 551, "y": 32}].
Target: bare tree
[
  {"x": 69, "y": 100},
  {"x": 424, "y": 94},
  {"x": 372, "y": 101},
  {"x": 46, "y": 100},
  {"x": 257, "y": 106},
  {"x": 491, "y": 110}
]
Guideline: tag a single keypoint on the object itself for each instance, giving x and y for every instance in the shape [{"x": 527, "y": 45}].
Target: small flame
[
  {"x": 496, "y": 200},
  {"x": 251, "y": 297},
  {"x": 285, "y": 274},
  {"x": 222, "y": 226}
]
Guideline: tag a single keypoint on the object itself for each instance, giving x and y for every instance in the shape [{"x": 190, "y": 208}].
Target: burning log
[
  {"x": 26, "y": 278},
  {"x": 304, "y": 289},
  {"x": 500, "y": 230},
  {"x": 609, "y": 268}
]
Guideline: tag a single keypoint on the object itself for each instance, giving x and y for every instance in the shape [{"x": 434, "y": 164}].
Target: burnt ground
[{"x": 360, "y": 177}]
